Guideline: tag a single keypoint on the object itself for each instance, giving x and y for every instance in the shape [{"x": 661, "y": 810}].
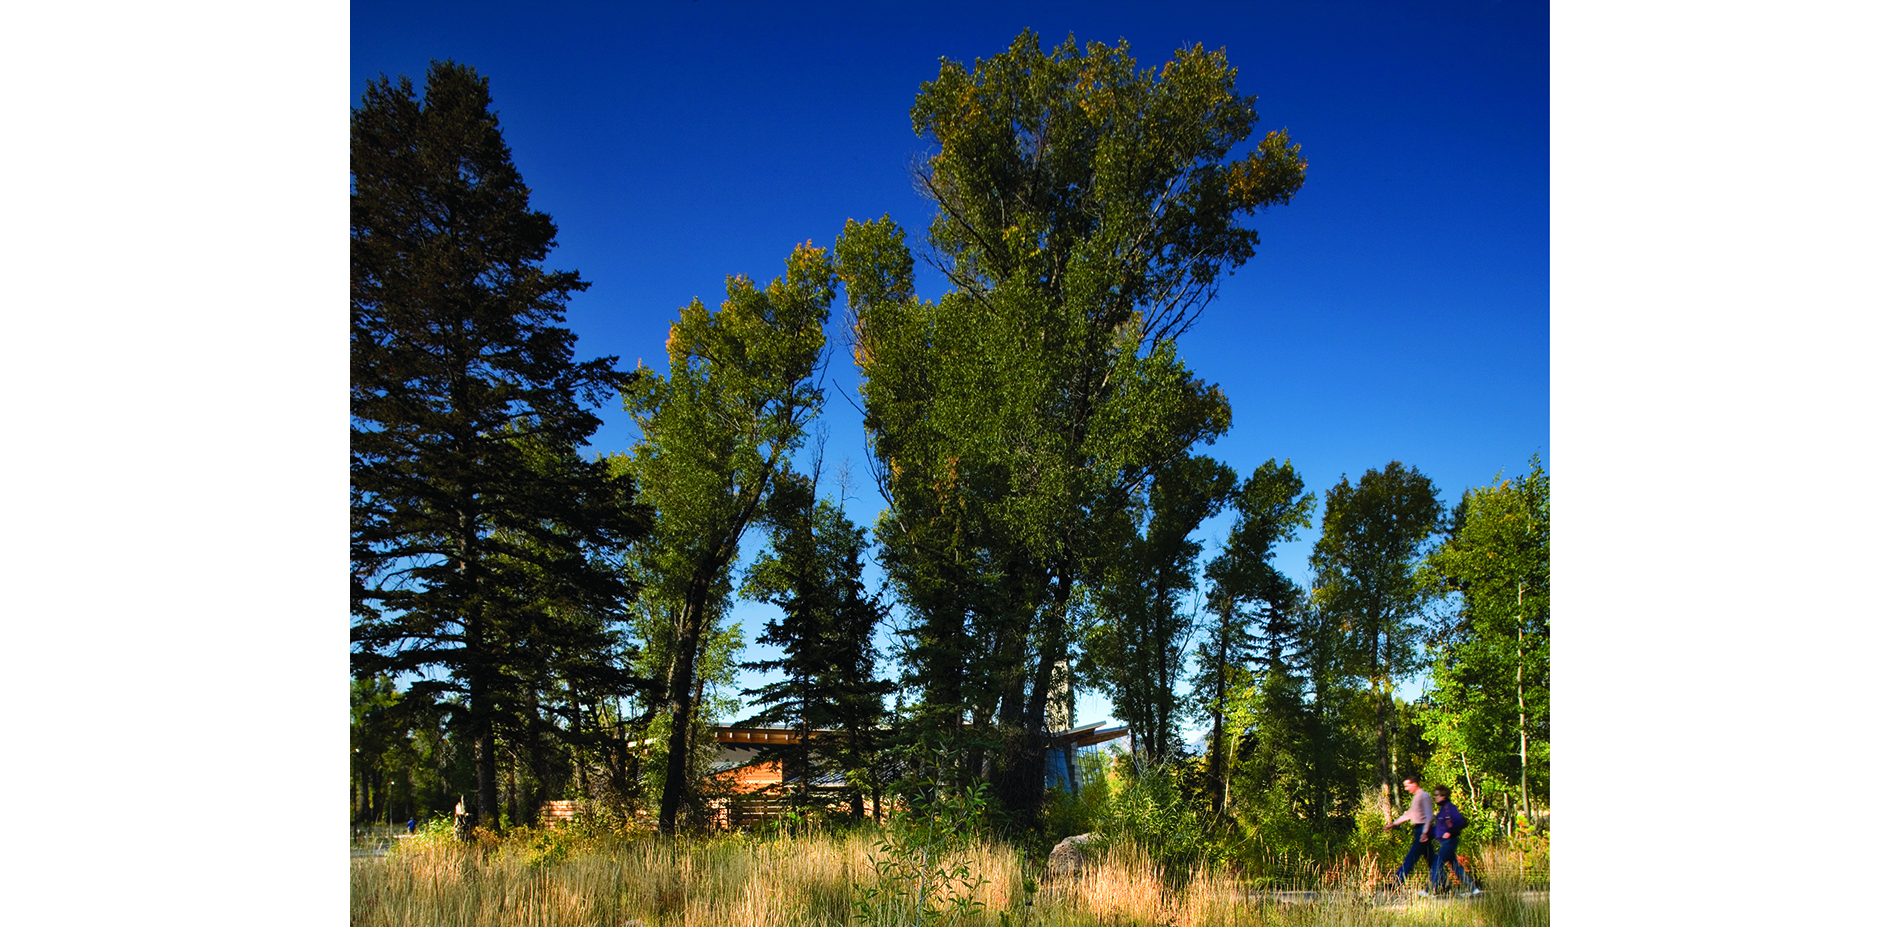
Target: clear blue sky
[
  {"x": 1720, "y": 355},
  {"x": 1398, "y": 309}
]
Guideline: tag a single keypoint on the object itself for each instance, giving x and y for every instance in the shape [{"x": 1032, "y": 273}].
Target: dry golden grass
[{"x": 814, "y": 880}]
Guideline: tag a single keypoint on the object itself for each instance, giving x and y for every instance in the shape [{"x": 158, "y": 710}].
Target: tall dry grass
[{"x": 814, "y": 879}]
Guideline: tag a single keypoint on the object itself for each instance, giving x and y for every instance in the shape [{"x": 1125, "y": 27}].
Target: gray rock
[{"x": 1068, "y": 857}]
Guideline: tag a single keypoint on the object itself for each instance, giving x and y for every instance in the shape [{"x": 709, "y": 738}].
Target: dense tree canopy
[
  {"x": 1367, "y": 562},
  {"x": 1490, "y": 707},
  {"x": 1035, "y": 435},
  {"x": 1085, "y": 209},
  {"x": 481, "y": 542},
  {"x": 717, "y": 433}
]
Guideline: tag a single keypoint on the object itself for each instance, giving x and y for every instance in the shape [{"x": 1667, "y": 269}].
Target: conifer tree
[
  {"x": 813, "y": 572},
  {"x": 1247, "y": 589},
  {"x": 480, "y": 539}
]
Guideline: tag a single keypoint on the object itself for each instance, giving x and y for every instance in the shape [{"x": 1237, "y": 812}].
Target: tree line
[{"x": 529, "y": 624}]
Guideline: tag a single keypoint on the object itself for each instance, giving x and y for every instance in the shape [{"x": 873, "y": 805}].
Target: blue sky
[
  {"x": 1720, "y": 355},
  {"x": 1398, "y": 309}
]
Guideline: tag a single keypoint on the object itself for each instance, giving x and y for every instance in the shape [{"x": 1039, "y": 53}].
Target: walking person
[
  {"x": 1447, "y": 824},
  {"x": 1419, "y": 815}
]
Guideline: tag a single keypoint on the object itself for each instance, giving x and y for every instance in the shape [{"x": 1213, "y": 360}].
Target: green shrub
[
  {"x": 545, "y": 849},
  {"x": 1151, "y": 810},
  {"x": 924, "y": 864}
]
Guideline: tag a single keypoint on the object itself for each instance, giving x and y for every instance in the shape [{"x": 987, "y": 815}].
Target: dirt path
[{"x": 1385, "y": 900}]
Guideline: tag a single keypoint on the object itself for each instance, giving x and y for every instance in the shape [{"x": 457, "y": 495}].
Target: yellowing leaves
[{"x": 1272, "y": 174}]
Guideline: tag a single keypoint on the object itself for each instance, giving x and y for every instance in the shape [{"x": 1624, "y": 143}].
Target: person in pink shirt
[{"x": 1419, "y": 814}]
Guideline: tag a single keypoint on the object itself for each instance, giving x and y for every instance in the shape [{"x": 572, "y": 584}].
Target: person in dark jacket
[{"x": 1447, "y": 824}]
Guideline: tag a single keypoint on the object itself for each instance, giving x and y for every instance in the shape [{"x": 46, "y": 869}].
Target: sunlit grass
[{"x": 546, "y": 878}]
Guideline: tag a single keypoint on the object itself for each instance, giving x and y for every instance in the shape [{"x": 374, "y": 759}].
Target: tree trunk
[
  {"x": 1383, "y": 701},
  {"x": 476, "y": 660},
  {"x": 487, "y": 800},
  {"x": 1029, "y": 759},
  {"x": 1469, "y": 782},
  {"x": 680, "y": 706},
  {"x": 1216, "y": 767},
  {"x": 1523, "y": 733}
]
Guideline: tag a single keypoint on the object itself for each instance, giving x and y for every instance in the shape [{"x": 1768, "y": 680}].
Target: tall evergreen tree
[
  {"x": 1329, "y": 752},
  {"x": 475, "y": 523},
  {"x": 813, "y": 573},
  {"x": 1248, "y": 590},
  {"x": 1368, "y": 566}
]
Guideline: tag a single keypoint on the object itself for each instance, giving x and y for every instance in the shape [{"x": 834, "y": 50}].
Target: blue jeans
[
  {"x": 1419, "y": 850},
  {"x": 1448, "y": 852}
]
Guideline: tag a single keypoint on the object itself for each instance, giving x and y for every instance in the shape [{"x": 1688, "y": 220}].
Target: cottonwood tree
[
  {"x": 475, "y": 524},
  {"x": 1367, "y": 564},
  {"x": 1085, "y": 210},
  {"x": 717, "y": 433}
]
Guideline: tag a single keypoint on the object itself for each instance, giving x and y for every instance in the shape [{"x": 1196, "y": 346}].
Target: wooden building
[{"x": 755, "y": 788}]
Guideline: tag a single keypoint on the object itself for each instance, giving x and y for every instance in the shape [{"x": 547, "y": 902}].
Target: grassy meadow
[{"x": 573, "y": 877}]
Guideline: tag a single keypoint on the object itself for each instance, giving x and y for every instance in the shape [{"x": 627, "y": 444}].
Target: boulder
[{"x": 1068, "y": 857}]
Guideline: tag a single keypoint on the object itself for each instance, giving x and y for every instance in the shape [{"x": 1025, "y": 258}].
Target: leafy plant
[
  {"x": 924, "y": 855},
  {"x": 1152, "y": 810},
  {"x": 545, "y": 850}
]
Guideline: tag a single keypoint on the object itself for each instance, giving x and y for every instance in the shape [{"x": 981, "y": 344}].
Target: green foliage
[
  {"x": 715, "y": 674},
  {"x": 481, "y": 543},
  {"x": 547, "y": 848},
  {"x": 1367, "y": 560},
  {"x": 404, "y": 760},
  {"x": 813, "y": 572},
  {"x": 1248, "y": 590},
  {"x": 1370, "y": 584},
  {"x": 1135, "y": 645},
  {"x": 1271, "y": 505},
  {"x": 1067, "y": 813},
  {"x": 1152, "y": 808},
  {"x": 1301, "y": 743},
  {"x": 1074, "y": 171},
  {"x": 1494, "y": 652},
  {"x": 716, "y": 435},
  {"x": 1085, "y": 210},
  {"x": 923, "y": 861}
]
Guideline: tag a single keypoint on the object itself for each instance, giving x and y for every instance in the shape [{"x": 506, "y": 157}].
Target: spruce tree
[
  {"x": 1248, "y": 589},
  {"x": 813, "y": 572},
  {"x": 479, "y": 537}
]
